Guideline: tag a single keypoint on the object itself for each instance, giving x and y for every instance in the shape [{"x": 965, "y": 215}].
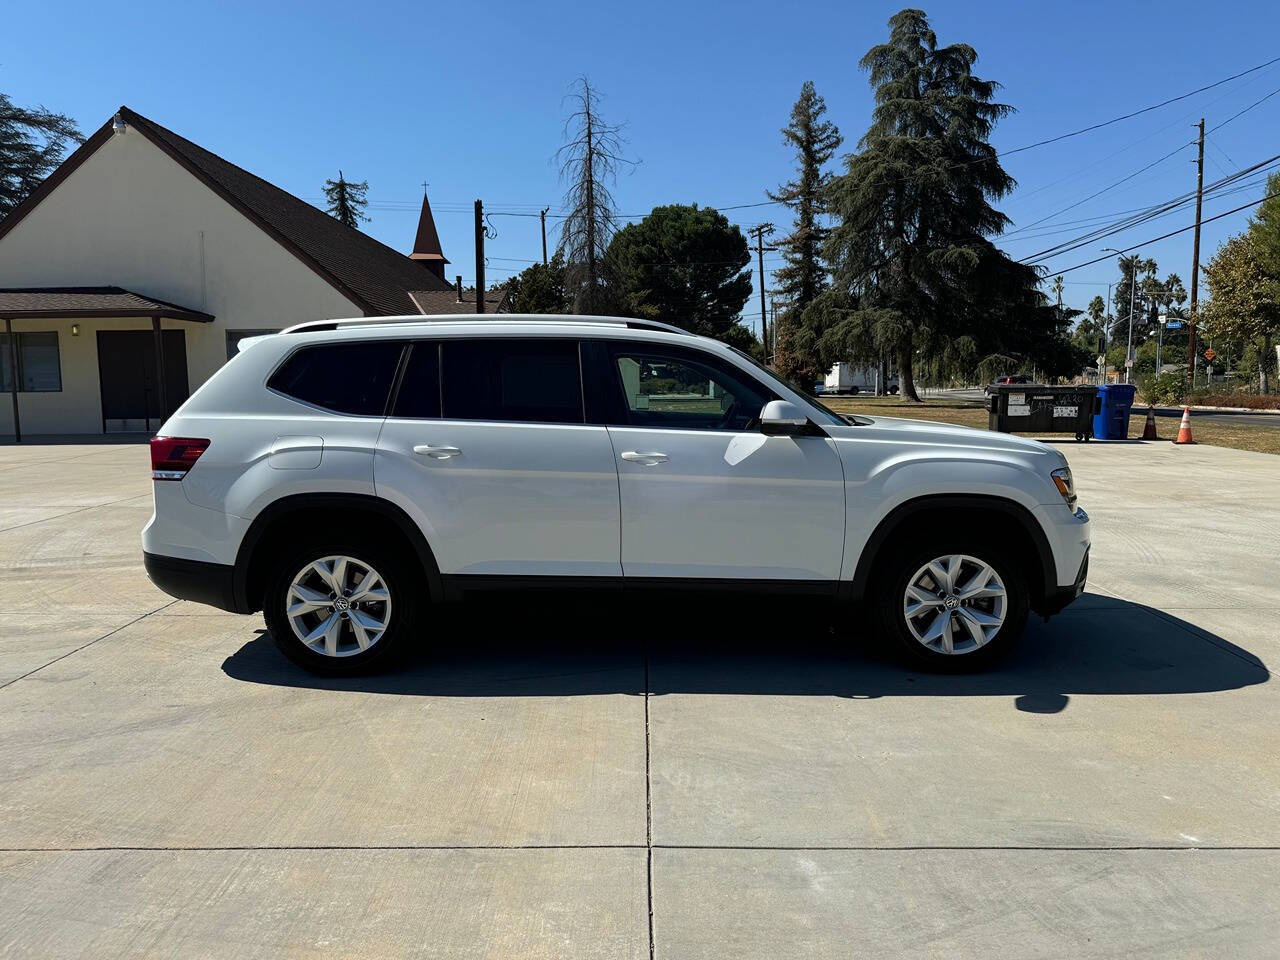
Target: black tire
[
  {"x": 403, "y": 582},
  {"x": 890, "y": 593}
]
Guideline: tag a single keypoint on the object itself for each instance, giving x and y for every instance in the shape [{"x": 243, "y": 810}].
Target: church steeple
[{"x": 426, "y": 245}]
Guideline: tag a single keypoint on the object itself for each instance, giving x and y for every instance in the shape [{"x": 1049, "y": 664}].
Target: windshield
[{"x": 824, "y": 413}]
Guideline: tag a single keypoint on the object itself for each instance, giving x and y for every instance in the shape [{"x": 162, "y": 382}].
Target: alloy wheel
[
  {"x": 955, "y": 604},
  {"x": 338, "y": 606}
]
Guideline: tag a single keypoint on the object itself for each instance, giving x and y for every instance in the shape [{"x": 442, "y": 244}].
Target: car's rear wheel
[
  {"x": 952, "y": 606},
  {"x": 341, "y": 608}
]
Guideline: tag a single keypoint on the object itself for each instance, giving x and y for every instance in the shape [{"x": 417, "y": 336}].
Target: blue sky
[{"x": 470, "y": 97}]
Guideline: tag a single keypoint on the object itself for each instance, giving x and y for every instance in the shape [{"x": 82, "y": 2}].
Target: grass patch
[{"x": 1259, "y": 439}]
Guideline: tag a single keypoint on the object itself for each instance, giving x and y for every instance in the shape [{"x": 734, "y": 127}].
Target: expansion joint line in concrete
[
  {"x": 69, "y": 653},
  {"x": 648, "y": 803}
]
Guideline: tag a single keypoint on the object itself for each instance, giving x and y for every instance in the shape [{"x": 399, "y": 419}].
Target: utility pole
[
  {"x": 1133, "y": 289},
  {"x": 1195, "y": 262},
  {"x": 543, "y": 215},
  {"x": 759, "y": 232},
  {"x": 479, "y": 256}
]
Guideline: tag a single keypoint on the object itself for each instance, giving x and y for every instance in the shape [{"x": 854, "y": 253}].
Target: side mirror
[{"x": 782, "y": 418}]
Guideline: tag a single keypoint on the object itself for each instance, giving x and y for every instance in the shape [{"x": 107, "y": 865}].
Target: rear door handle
[
  {"x": 646, "y": 459},
  {"x": 437, "y": 453}
]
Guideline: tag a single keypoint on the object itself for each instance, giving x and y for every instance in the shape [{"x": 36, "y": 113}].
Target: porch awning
[{"x": 24, "y": 303}]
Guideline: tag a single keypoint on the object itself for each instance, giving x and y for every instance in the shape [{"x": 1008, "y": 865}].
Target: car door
[
  {"x": 488, "y": 449},
  {"x": 704, "y": 493}
]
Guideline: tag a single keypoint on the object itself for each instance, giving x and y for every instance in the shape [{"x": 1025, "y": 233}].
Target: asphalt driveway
[{"x": 745, "y": 786}]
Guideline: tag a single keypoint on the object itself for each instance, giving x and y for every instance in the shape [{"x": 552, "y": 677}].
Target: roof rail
[{"x": 313, "y": 326}]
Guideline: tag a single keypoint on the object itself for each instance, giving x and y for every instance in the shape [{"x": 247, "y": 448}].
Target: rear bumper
[{"x": 195, "y": 580}]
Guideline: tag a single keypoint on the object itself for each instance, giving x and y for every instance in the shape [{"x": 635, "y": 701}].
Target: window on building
[
  {"x": 345, "y": 377},
  {"x": 39, "y": 367},
  {"x": 526, "y": 381},
  {"x": 235, "y": 336}
]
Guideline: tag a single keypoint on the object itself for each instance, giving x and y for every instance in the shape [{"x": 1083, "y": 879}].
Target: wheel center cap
[
  {"x": 341, "y": 603},
  {"x": 951, "y": 602}
]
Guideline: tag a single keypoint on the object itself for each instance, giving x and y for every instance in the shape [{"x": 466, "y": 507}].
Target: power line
[
  {"x": 1137, "y": 113},
  {"x": 1244, "y": 111},
  {"x": 1108, "y": 187},
  {"x": 1171, "y": 233},
  {"x": 1150, "y": 214}
]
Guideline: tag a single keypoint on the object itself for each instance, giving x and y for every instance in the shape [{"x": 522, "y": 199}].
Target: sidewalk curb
[{"x": 1250, "y": 410}]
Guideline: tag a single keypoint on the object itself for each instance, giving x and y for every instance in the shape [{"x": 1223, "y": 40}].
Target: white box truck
[{"x": 852, "y": 378}]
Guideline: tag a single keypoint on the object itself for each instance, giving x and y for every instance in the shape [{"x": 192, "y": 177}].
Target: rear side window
[
  {"x": 531, "y": 381},
  {"x": 418, "y": 397},
  {"x": 344, "y": 377}
]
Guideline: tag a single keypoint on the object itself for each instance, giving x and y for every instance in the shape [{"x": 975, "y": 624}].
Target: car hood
[{"x": 927, "y": 432}]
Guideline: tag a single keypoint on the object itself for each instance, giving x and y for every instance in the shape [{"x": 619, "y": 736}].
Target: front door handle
[
  {"x": 437, "y": 453},
  {"x": 646, "y": 459}
]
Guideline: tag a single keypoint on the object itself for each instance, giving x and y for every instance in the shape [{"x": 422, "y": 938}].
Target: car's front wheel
[
  {"x": 341, "y": 608},
  {"x": 953, "y": 605}
]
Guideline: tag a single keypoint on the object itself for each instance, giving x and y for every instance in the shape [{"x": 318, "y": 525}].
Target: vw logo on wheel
[{"x": 341, "y": 603}]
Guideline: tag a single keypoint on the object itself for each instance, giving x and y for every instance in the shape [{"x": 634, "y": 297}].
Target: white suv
[{"x": 343, "y": 476}]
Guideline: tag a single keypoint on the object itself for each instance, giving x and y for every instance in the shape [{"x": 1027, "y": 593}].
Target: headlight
[{"x": 1062, "y": 480}]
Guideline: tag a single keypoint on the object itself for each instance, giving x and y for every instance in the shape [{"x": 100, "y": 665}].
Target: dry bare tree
[{"x": 589, "y": 161}]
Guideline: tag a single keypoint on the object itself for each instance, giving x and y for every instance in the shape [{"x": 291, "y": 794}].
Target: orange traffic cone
[
  {"x": 1149, "y": 431},
  {"x": 1184, "y": 430}
]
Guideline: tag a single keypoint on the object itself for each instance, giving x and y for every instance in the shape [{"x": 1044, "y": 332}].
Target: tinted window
[
  {"x": 661, "y": 389},
  {"x": 533, "y": 381},
  {"x": 346, "y": 377},
  {"x": 419, "y": 395}
]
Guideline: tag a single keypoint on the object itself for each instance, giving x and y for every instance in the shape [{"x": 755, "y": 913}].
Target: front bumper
[
  {"x": 195, "y": 580},
  {"x": 1055, "y": 600}
]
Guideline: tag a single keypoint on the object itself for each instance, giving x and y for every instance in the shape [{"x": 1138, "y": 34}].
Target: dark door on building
[{"x": 127, "y": 371}]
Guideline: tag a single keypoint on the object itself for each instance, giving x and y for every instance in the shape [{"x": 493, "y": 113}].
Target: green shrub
[{"x": 1163, "y": 389}]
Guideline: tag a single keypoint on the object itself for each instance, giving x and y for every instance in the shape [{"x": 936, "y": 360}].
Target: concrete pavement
[{"x": 171, "y": 786}]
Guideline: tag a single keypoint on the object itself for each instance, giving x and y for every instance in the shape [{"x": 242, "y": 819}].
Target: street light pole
[{"x": 1133, "y": 289}]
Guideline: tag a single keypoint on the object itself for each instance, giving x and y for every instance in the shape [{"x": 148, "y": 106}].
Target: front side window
[
  {"x": 39, "y": 367},
  {"x": 661, "y": 389},
  {"x": 529, "y": 381},
  {"x": 350, "y": 378}
]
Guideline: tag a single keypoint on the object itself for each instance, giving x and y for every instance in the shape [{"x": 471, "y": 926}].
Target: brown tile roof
[
  {"x": 434, "y": 303},
  {"x": 18, "y": 302},
  {"x": 371, "y": 274}
]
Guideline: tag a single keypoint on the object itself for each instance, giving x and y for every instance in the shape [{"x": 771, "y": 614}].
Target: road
[
  {"x": 645, "y": 782},
  {"x": 976, "y": 396}
]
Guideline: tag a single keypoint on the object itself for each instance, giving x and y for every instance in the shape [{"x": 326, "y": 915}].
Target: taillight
[{"x": 172, "y": 457}]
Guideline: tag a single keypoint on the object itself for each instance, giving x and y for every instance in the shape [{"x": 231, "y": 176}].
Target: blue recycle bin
[{"x": 1111, "y": 411}]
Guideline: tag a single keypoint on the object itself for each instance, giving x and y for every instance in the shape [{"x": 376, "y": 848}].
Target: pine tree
[
  {"x": 346, "y": 200},
  {"x": 910, "y": 253},
  {"x": 686, "y": 265},
  {"x": 589, "y": 161},
  {"x": 32, "y": 144},
  {"x": 804, "y": 276}
]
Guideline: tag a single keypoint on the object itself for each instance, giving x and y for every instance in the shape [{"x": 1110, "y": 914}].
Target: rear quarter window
[{"x": 353, "y": 378}]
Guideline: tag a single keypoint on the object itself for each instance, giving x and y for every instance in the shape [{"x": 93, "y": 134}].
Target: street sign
[
  {"x": 1129, "y": 362},
  {"x": 1173, "y": 325},
  {"x": 1210, "y": 354}
]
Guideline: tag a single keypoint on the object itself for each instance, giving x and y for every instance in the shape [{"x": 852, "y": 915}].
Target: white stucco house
[{"x": 145, "y": 252}]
